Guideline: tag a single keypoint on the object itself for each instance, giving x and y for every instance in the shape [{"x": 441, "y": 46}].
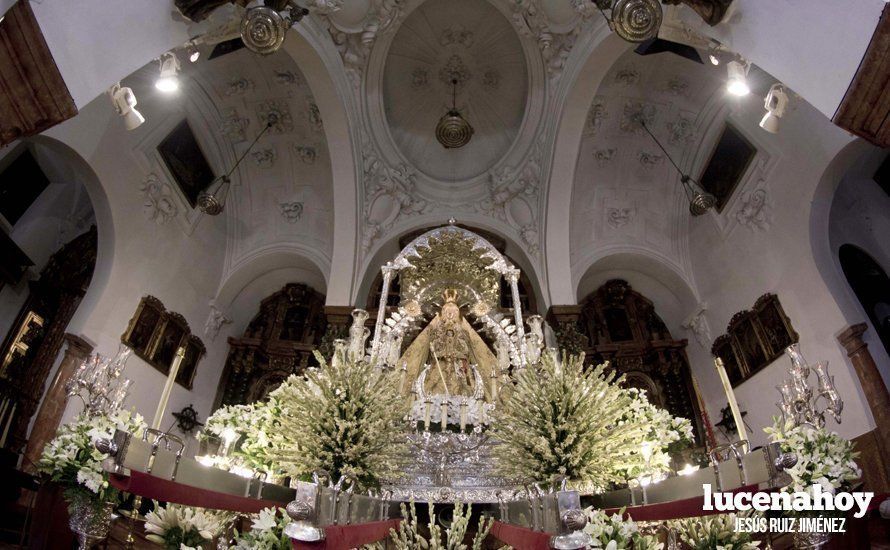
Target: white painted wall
[
  {"x": 733, "y": 267},
  {"x": 96, "y": 43},
  {"x": 162, "y": 260},
  {"x": 813, "y": 46}
]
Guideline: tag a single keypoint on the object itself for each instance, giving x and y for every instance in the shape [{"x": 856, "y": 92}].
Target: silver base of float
[{"x": 319, "y": 504}]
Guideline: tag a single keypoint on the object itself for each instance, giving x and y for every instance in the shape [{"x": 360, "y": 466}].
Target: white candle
[
  {"x": 403, "y": 377},
  {"x": 463, "y": 415},
  {"x": 730, "y": 397},
  {"x": 428, "y": 410},
  {"x": 168, "y": 387},
  {"x": 494, "y": 386},
  {"x": 444, "y": 414}
]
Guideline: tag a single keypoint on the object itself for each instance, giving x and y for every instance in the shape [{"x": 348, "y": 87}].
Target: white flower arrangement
[
  {"x": 409, "y": 536},
  {"x": 823, "y": 458},
  {"x": 713, "y": 532},
  {"x": 664, "y": 434},
  {"x": 266, "y": 532},
  {"x": 71, "y": 458},
  {"x": 176, "y": 527},
  {"x": 563, "y": 419},
  {"x": 615, "y": 533},
  {"x": 252, "y": 426},
  {"x": 346, "y": 418}
]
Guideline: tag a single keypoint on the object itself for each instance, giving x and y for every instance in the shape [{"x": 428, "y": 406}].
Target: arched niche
[
  {"x": 63, "y": 164},
  {"x": 871, "y": 285},
  {"x": 622, "y": 327},
  {"x": 661, "y": 282},
  {"x": 856, "y": 161},
  {"x": 278, "y": 341}
]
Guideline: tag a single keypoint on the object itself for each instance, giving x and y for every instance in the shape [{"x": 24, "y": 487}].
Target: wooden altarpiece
[
  {"x": 621, "y": 327},
  {"x": 278, "y": 342}
]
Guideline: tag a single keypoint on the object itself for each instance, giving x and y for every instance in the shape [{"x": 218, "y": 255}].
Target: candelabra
[
  {"x": 98, "y": 383},
  {"x": 800, "y": 403}
]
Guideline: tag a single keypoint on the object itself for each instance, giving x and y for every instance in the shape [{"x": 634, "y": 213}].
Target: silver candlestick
[
  {"x": 800, "y": 403},
  {"x": 98, "y": 383}
]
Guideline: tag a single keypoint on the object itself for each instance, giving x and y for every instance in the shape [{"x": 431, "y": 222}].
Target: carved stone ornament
[
  {"x": 755, "y": 212},
  {"x": 697, "y": 323},
  {"x": 618, "y": 217},
  {"x": 234, "y": 126},
  {"x": 264, "y": 158},
  {"x": 291, "y": 211},
  {"x": 604, "y": 156},
  {"x": 158, "y": 203},
  {"x": 306, "y": 154},
  {"x": 215, "y": 320}
]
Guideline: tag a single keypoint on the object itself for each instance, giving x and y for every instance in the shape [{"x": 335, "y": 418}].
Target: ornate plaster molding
[
  {"x": 158, "y": 204},
  {"x": 697, "y": 323},
  {"x": 215, "y": 320}
]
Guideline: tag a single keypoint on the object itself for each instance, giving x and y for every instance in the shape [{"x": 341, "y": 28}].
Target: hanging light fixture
[
  {"x": 632, "y": 20},
  {"x": 264, "y": 28},
  {"x": 775, "y": 103},
  {"x": 737, "y": 83},
  {"x": 167, "y": 81},
  {"x": 212, "y": 200},
  {"x": 193, "y": 52},
  {"x": 124, "y": 102},
  {"x": 453, "y": 131},
  {"x": 700, "y": 201}
]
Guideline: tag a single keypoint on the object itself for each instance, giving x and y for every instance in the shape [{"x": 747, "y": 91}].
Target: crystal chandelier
[
  {"x": 453, "y": 131},
  {"x": 800, "y": 404}
]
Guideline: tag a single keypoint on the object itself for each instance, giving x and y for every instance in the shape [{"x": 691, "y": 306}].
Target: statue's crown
[{"x": 450, "y": 295}]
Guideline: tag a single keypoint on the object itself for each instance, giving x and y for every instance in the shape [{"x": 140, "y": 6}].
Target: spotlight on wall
[
  {"x": 737, "y": 84},
  {"x": 124, "y": 102},
  {"x": 775, "y": 103},
  {"x": 193, "y": 52},
  {"x": 168, "y": 81}
]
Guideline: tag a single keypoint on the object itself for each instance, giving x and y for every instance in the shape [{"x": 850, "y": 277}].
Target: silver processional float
[{"x": 450, "y": 280}]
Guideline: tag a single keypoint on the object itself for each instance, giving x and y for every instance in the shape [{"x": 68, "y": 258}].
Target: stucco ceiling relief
[{"x": 158, "y": 204}]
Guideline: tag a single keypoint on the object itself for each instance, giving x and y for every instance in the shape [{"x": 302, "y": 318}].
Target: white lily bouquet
[
  {"x": 823, "y": 458},
  {"x": 716, "y": 531},
  {"x": 616, "y": 533},
  {"x": 563, "y": 419},
  {"x": 176, "y": 527},
  {"x": 72, "y": 460},
  {"x": 266, "y": 532}
]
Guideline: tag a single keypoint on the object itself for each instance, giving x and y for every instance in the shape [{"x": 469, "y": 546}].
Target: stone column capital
[{"x": 851, "y": 338}]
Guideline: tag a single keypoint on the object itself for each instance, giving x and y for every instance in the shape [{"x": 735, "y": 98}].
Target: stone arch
[
  {"x": 673, "y": 295},
  {"x": 76, "y": 167},
  {"x": 600, "y": 53}
]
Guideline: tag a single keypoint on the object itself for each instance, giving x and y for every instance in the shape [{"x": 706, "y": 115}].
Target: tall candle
[
  {"x": 427, "y": 412},
  {"x": 730, "y": 397},
  {"x": 403, "y": 377},
  {"x": 494, "y": 386},
  {"x": 168, "y": 387},
  {"x": 463, "y": 415},
  {"x": 444, "y": 414}
]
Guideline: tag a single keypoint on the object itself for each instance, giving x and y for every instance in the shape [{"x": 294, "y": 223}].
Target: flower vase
[
  {"x": 809, "y": 541},
  {"x": 89, "y": 519}
]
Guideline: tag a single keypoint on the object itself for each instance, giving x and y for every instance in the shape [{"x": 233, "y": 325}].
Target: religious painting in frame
[
  {"x": 731, "y": 157},
  {"x": 187, "y": 164},
  {"x": 754, "y": 339}
]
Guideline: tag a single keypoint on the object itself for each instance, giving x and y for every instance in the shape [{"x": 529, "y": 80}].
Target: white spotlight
[
  {"x": 125, "y": 104},
  {"x": 193, "y": 52},
  {"x": 167, "y": 81},
  {"x": 775, "y": 103},
  {"x": 737, "y": 84}
]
